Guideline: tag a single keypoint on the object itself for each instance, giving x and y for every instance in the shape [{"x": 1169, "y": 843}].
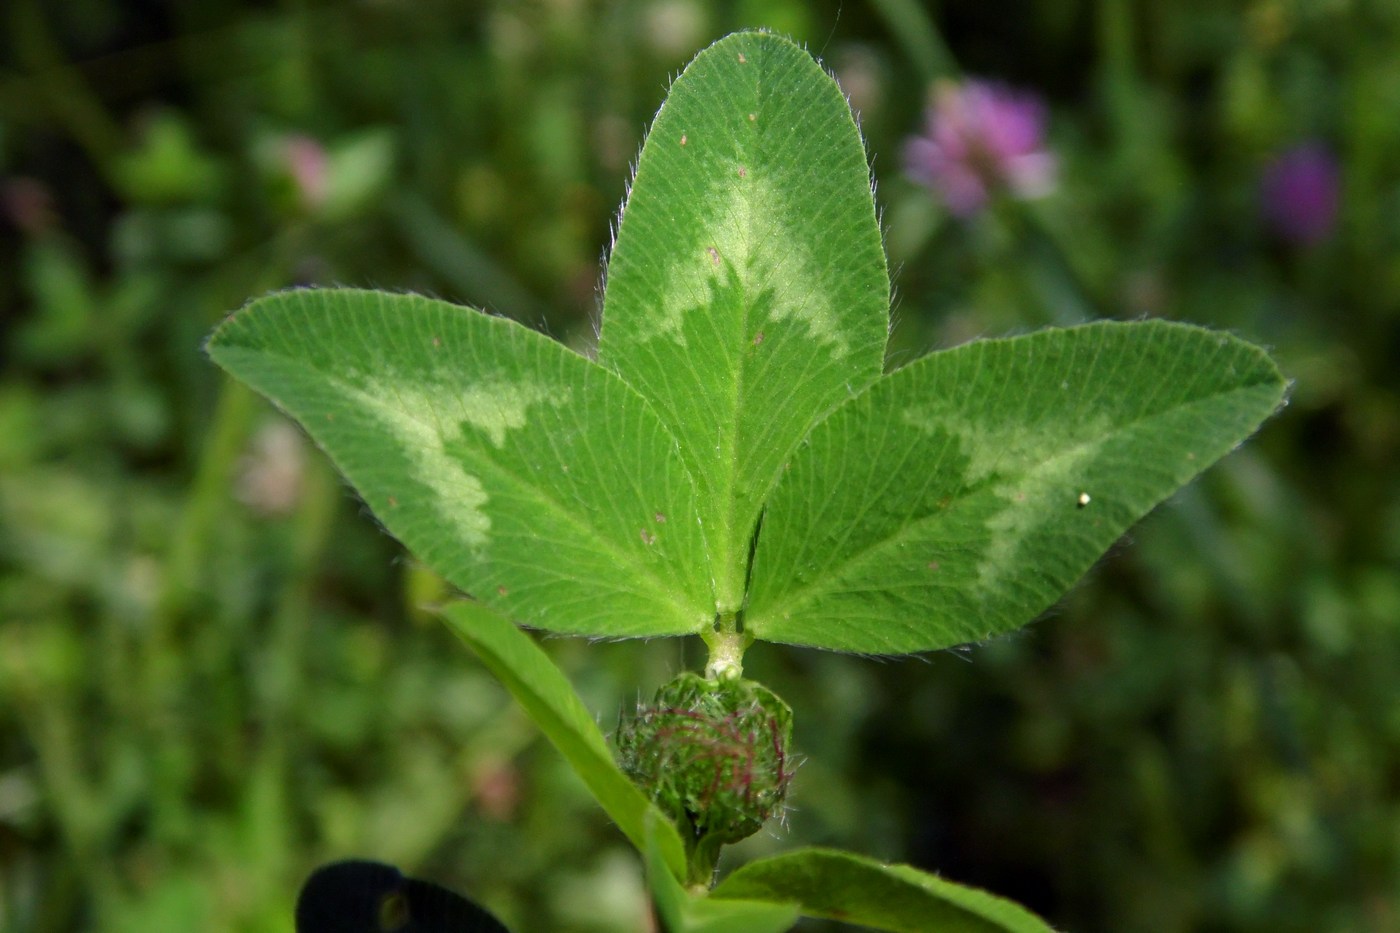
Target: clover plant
[{"x": 737, "y": 465}]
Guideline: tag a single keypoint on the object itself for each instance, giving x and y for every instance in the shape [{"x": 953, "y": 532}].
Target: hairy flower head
[{"x": 712, "y": 754}]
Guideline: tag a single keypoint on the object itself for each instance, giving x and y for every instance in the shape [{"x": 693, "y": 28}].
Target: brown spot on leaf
[
  {"x": 714, "y": 254},
  {"x": 742, "y": 59},
  {"x": 758, "y": 338},
  {"x": 660, "y": 518},
  {"x": 753, "y": 117},
  {"x": 933, "y": 565},
  {"x": 743, "y": 172},
  {"x": 437, "y": 342},
  {"x": 648, "y": 537},
  {"x": 393, "y": 502},
  {"x": 502, "y": 591},
  {"x": 682, "y": 139}
]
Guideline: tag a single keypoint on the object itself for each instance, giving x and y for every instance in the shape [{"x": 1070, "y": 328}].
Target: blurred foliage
[{"x": 213, "y": 674}]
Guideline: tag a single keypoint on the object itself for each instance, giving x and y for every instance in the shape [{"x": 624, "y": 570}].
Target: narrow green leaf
[
  {"x": 842, "y": 886},
  {"x": 962, "y": 495},
  {"x": 528, "y": 476},
  {"x": 682, "y": 911},
  {"x": 747, "y": 294},
  {"x": 546, "y": 694}
]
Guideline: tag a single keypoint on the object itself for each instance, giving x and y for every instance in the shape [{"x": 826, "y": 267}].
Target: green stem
[
  {"x": 57, "y": 82},
  {"x": 80, "y": 803},
  {"x": 281, "y": 677},
  {"x": 1068, "y": 297},
  {"x": 228, "y": 432},
  {"x": 912, "y": 27},
  {"x": 703, "y": 855},
  {"x": 726, "y": 654}
]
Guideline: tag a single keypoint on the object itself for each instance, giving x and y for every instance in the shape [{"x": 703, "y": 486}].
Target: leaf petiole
[{"x": 727, "y": 644}]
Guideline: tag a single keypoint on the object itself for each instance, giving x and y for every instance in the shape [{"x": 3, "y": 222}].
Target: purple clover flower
[
  {"x": 982, "y": 137},
  {"x": 1300, "y": 193}
]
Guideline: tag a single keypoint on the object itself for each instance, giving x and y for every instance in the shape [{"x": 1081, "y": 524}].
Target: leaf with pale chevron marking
[
  {"x": 535, "y": 480},
  {"x": 959, "y": 497},
  {"x": 747, "y": 294}
]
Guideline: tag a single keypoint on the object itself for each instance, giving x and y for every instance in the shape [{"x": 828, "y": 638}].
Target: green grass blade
[
  {"x": 747, "y": 294},
  {"x": 546, "y": 694},
  {"x": 859, "y": 890},
  {"x": 962, "y": 495},
  {"x": 523, "y": 473}
]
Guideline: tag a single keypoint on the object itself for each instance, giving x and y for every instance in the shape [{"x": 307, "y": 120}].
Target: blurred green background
[{"x": 213, "y": 674}]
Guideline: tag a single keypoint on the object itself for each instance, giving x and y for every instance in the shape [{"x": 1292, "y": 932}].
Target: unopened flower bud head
[{"x": 713, "y": 754}]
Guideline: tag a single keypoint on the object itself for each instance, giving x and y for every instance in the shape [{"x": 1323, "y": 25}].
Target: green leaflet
[
  {"x": 960, "y": 496},
  {"x": 842, "y": 886},
  {"x": 526, "y": 475},
  {"x": 747, "y": 293}
]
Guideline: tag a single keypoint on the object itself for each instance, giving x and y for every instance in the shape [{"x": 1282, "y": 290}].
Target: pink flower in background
[
  {"x": 1300, "y": 193},
  {"x": 308, "y": 164},
  {"x": 981, "y": 138}
]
